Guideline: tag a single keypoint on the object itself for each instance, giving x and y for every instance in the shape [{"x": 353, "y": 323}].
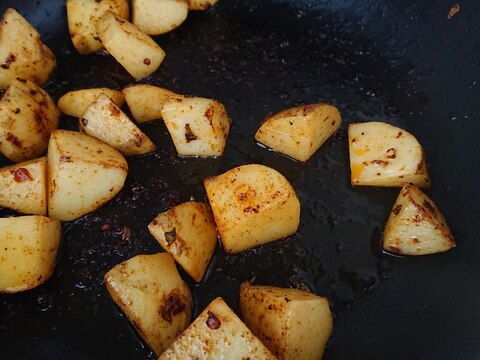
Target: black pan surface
[{"x": 388, "y": 60}]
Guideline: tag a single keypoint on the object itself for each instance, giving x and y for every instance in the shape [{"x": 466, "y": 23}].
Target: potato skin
[
  {"x": 252, "y": 205},
  {"x": 75, "y": 102},
  {"x": 155, "y": 17},
  {"x": 27, "y": 116},
  {"x": 22, "y": 53},
  {"x": 201, "y": 4}
]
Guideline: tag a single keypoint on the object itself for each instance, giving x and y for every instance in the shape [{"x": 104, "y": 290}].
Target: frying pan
[{"x": 402, "y": 62}]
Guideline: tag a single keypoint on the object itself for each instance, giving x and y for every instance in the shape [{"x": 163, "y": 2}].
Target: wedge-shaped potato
[
  {"x": 74, "y": 103},
  {"x": 154, "y": 297},
  {"x": 83, "y": 16},
  {"x": 416, "y": 226},
  {"x": 252, "y": 205},
  {"x": 133, "y": 49},
  {"x": 198, "y": 126},
  {"x": 300, "y": 131},
  {"x": 23, "y": 187},
  {"x": 83, "y": 174},
  {"x": 22, "y": 53},
  {"x": 188, "y": 233},
  {"x": 27, "y": 115},
  {"x": 385, "y": 155},
  {"x": 293, "y": 324},
  {"x": 217, "y": 333},
  {"x": 201, "y": 4},
  {"x": 155, "y": 17},
  {"x": 28, "y": 251},
  {"x": 146, "y": 101},
  {"x": 105, "y": 121}
]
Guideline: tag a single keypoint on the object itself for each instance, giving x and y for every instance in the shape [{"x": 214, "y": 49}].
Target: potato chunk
[
  {"x": 27, "y": 115},
  {"x": 385, "y": 155},
  {"x": 252, "y": 205},
  {"x": 201, "y": 4},
  {"x": 188, "y": 233},
  {"x": 83, "y": 174},
  {"x": 217, "y": 333},
  {"x": 83, "y": 16},
  {"x": 300, "y": 131},
  {"x": 293, "y": 324},
  {"x": 155, "y": 17},
  {"x": 154, "y": 297},
  {"x": 416, "y": 226},
  {"x": 23, "y": 187},
  {"x": 133, "y": 49},
  {"x": 146, "y": 101},
  {"x": 22, "y": 53},
  {"x": 75, "y": 102},
  {"x": 105, "y": 121},
  {"x": 28, "y": 251},
  {"x": 198, "y": 126}
]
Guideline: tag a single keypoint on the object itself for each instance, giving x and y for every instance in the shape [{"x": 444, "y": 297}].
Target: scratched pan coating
[{"x": 398, "y": 61}]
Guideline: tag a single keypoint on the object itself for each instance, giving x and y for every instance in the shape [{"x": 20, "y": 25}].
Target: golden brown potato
[
  {"x": 146, "y": 101},
  {"x": 252, "y": 205},
  {"x": 23, "y": 187},
  {"x": 22, "y": 53},
  {"x": 300, "y": 131},
  {"x": 217, "y": 333},
  {"x": 385, "y": 155},
  {"x": 155, "y": 17},
  {"x": 28, "y": 250},
  {"x": 293, "y": 324},
  {"x": 137, "y": 52},
  {"x": 416, "y": 225},
  {"x": 188, "y": 233},
  {"x": 154, "y": 297},
  {"x": 105, "y": 121},
  {"x": 27, "y": 115},
  {"x": 83, "y": 16},
  {"x": 75, "y": 102},
  {"x": 198, "y": 126},
  {"x": 83, "y": 174},
  {"x": 201, "y": 4}
]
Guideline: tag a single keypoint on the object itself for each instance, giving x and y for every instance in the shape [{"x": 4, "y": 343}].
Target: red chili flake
[
  {"x": 213, "y": 322},
  {"x": 65, "y": 159},
  {"x": 394, "y": 249},
  {"x": 13, "y": 139},
  {"x": 172, "y": 305},
  {"x": 106, "y": 227},
  {"x": 146, "y": 61},
  {"x": 209, "y": 113},
  {"x": 84, "y": 121},
  {"x": 454, "y": 10},
  {"x": 308, "y": 109},
  {"x": 396, "y": 209},
  {"x": 21, "y": 175},
  {"x": 114, "y": 111},
  {"x": 8, "y": 60}
]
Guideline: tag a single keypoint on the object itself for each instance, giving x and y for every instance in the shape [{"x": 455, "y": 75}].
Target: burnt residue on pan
[{"x": 396, "y": 61}]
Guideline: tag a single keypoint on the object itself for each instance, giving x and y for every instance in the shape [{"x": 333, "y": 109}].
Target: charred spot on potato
[
  {"x": 33, "y": 92},
  {"x": 65, "y": 159},
  {"x": 399, "y": 135},
  {"x": 429, "y": 207},
  {"x": 213, "y": 322},
  {"x": 394, "y": 249},
  {"x": 21, "y": 175},
  {"x": 391, "y": 153},
  {"x": 172, "y": 305},
  {"x": 189, "y": 135},
  {"x": 21, "y": 80},
  {"x": 114, "y": 111},
  {"x": 13, "y": 139},
  {"x": 146, "y": 61},
  {"x": 171, "y": 236},
  {"x": 8, "y": 60},
  {"x": 84, "y": 121},
  {"x": 379, "y": 162},
  {"x": 396, "y": 209},
  {"x": 308, "y": 109},
  {"x": 16, "y": 111},
  {"x": 209, "y": 113}
]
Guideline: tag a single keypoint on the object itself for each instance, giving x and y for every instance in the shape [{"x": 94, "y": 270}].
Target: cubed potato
[
  {"x": 188, "y": 233},
  {"x": 252, "y": 205},
  {"x": 146, "y": 101},
  {"x": 83, "y": 174},
  {"x": 201, "y": 4},
  {"x": 293, "y": 324},
  {"x": 27, "y": 115},
  {"x": 83, "y": 16},
  {"x": 22, "y": 53},
  {"x": 154, "y": 297},
  {"x": 300, "y": 131},
  {"x": 217, "y": 333},
  {"x": 385, "y": 155},
  {"x": 416, "y": 226},
  {"x": 105, "y": 121},
  {"x": 133, "y": 49},
  {"x": 23, "y": 187},
  {"x": 155, "y": 17},
  {"x": 75, "y": 102},
  {"x": 28, "y": 251},
  {"x": 198, "y": 126}
]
